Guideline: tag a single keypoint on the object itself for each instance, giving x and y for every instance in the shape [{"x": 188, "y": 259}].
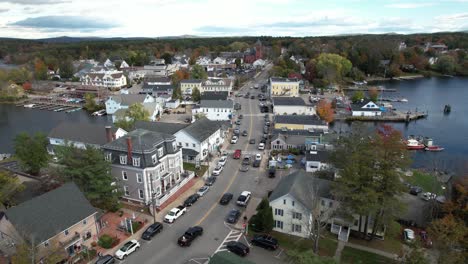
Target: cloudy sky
[{"x": 153, "y": 18}]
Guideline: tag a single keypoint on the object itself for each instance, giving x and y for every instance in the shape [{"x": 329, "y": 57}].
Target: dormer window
[
  {"x": 136, "y": 162},
  {"x": 160, "y": 152},
  {"x": 123, "y": 159},
  {"x": 108, "y": 156},
  {"x": 154, "y": 159}
]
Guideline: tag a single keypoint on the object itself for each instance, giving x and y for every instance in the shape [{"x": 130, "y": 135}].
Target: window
[
  {"x": 158, "y": 190},
  {"x": 171, "y": 163},
  {"x": 292, "y": 203},
  {"x": 85, "y": 222},
  {"x": 126, "y": 192},
  {"x": 180, "y": 144},
  {"x": 174, "y": 145},
  {"x": 124, "y": 175},
  {"x": 139, "y": 178},
  {"x": 177, "y": 161},
  {"x": 141, "y": 194},
  {"x": 136, "y": 162},
  {"x": 123, "y": 159},
  {"x": 160, "y": 152},
  {"x": 186, "y": 144},
  {"x": 297, "y": 216},
  {"x": 279, "y": 224},
  {"x": 296, "y": 228},
  {"x": 279, "y": 211},
  {"x": 154, "y": 159},
  {"x": 66, "y": 232},
  {"x": 162, "y": 167},
  {"x": 108, "y": 156},
  {"x": 194, "y": 145},
  {"x": 284, "y": 201}
]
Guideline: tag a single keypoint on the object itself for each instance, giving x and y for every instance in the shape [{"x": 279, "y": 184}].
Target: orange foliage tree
[
  {"x": 373, "y": 94},
  {"x": 180, "y": 75},
  {"x": 325, "y": 111}
]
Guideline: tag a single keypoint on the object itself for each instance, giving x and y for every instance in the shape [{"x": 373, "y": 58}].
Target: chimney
[
  {"x": 109, "y": 136},
  {"x": 129, "y": 150}
]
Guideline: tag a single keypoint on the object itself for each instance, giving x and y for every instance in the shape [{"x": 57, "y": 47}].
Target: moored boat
[
  {"x": 413, "y": 144},
  {"x": 29, "y": 105},
  {"x": 433, "y": 148}
]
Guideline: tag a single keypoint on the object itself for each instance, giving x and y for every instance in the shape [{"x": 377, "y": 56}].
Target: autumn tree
[
  {"x": 180, "y": 75},
  {"x": 32, "y": 151},
  {"x": 373, "y": 94},
  {"x": 198, "y": 72},
  {"x": 40, "y": 70},
  {"x": 325, "y": 111},
  {"x": 332, "y": 67}
]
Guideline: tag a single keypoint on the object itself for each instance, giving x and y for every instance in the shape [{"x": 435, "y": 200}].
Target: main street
[{"x": 207, "y": 212}]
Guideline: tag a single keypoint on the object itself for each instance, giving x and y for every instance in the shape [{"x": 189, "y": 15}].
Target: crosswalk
[{"x": 234, "y": 235}]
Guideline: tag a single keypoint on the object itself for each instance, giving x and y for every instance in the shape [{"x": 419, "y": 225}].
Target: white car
[
  {"x": 428, "y": 196},
  {"x": 222, "y": 161},
  {"x": 244, "y": 198},
  {"x": 127, "y": 249},
  {"x": 217, "y": 170},
  {"x": 258, "y": 157},
  {"x": 234, "y": 140},
  {"x": 203, "y": 190},
  {"x": 174, "y": 214},
  {"x": 261, "y": 146},
  {"x": 408, "y": 235}
]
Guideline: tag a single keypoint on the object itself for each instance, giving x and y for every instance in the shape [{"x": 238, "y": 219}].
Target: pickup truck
[
  {"x": 237, "y": 154},
  {"x": 174, "y": 214},
  {"x": 186, "y": 239}
]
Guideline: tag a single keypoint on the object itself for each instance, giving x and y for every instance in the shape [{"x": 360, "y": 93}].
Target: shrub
[{"x": 106, "y": 241}]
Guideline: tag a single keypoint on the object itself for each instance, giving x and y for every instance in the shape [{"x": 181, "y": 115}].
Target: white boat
[
  {"x": 99, "y": 113},
  {"x": 29, "y": 105},
  {"x": 404, "y": 100}
]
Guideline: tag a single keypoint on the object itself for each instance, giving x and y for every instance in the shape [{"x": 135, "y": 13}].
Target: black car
[
  {"x": 241, "y": 116},
  {"x": 210, "y": 181},
  {"x": 238, "y": 122},
  {"x": 252, "y": 141},
  {"x": 256, "y": 163},
  {"x": 187, "y": 238},
  {"x": 107, "y": 259},
  {"x": 271, "y": 172},
  {"x": 252, "y": 97},
  {"x": 265, "y": 241},
  {"x": 415, "y": 190},
  {"x": 226, "y": 198},
  {"x": 191, "y": 199},
  {"x": 152, "y": 230},
  {"x": 238, "y": 248},
  {"x": 233, "y": 216},
  {"x": 244, "y": 133}
]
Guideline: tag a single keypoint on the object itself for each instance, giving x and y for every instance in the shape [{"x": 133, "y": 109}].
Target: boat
[
  {"x": 433, "y": 148},
  {"x": 447, "y": 109},
  {"x": 99, "y": 113},
  {"x": 29, "y": 105},
  {"x": 413, "y": 144},
  {"x": 403, "y": 100}
]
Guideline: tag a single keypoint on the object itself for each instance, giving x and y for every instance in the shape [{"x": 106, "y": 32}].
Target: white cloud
[{"x": 408, "y": 5}]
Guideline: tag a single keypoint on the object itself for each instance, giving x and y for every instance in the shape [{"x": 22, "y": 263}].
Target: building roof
[
  {"x": 158, "y": 87},
  {"x": 191, "y": 81},
  {"x": 217, "y": 103},
  {"x": 128, "y": 99},
  {"x": 142, "y": 141},
  {"x": 322, "y": 156},
  {"x": 202, "y": 129},
  {"x": 280, "y": 79},
  {"x": 288, "y": 101},
  {"x": 300, "y": 185},
  {"x": 214, "y": 95},
  {"x": 51, "y": 213},
  {"x": 360, "y": 106},
  {"x": 160, "y": 127},
  {"x": 299, "y": 119},
  {"x": 295, "y": 140},
  {"x": 163, "y": 79},
  {"x": 217, "y": 82},
  {"x": 189, "y": 152},
  {"x": 80, "y": 132}
]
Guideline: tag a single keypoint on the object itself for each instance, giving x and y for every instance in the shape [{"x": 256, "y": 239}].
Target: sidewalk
[{"x": 342, "y": 245}]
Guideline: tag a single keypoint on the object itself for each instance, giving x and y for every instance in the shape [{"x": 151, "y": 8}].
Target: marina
[
  {"x": 51, "y": 106},
  {"x": 393, "y": 116}
]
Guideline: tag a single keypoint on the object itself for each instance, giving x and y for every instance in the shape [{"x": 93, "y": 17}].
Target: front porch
[
  {"x": 341, "y": 228},
  {"x": 172, "y": 188}
]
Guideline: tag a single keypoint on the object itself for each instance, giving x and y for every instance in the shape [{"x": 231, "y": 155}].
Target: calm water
[{"x": 449, "y": 131}]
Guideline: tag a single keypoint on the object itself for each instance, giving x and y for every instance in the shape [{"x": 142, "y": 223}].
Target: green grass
[
  {"x": 426, "y": 181},
  {"x": 191, "y": 167},
  {"x": 327, "y": 246},
  {"x": 352, "y": 255}
]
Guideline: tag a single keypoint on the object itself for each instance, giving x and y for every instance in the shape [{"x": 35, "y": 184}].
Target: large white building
[
  {"x": 123, "y": 101},
  {"x": 366, "y": 108},
  {"x": 216, "y": 110},
  {"x": 216, "y": 85},
  {"x": 291, "y": 106},
  {"x": 109, "y": 79}
]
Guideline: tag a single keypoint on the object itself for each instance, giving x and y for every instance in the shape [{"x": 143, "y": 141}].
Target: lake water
[{"x": 431, "y": 94}]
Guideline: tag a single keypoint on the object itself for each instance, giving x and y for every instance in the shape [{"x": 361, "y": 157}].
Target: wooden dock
[
  {"x": 53, "y": 105},
  {"x": 380, "y": 89},
  {"x": 395, "y": 116}
]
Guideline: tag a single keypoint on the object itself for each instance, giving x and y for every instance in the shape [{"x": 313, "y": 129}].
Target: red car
[{"x": 237, "y": 154}]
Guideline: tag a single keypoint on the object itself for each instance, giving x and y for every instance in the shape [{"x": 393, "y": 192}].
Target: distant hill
[{"x": 67, "y": 39}]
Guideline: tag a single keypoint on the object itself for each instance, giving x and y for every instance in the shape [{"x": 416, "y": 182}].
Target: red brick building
[{"x": 254, "y": 53}]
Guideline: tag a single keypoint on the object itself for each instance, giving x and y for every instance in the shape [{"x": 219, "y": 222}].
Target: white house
[
  {"x": 123, "y": 101},
  {"x": 219, "y": 60},
  {"x": 216, "y": 85},
  {"x": 216, "y": 110},
  {"x": 153, "y": 108},
  {"x": 203, "y": 60},
  {"x": 259, "y": 63},
  {"x": 109, "y": 79},
  {"x": 82, "y": 135},
  {"x": 317, "y": 160},
  {"x": 124, "y": 65},
  {"x": 291, "y": 106},
  {"x": 366, "y": 108},
  {"x": 108, "y": 63}
]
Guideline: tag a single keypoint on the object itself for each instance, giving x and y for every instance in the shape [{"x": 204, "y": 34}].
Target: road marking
[
  {"x": 232, "y": 236},
  {"x": 232, "y": 179},
  {"x": 279, "y": 253}
]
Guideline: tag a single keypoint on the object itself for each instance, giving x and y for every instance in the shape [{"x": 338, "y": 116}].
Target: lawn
[
  {"x": 389, "y": 244},
  {"x": 327, "y": 246},
  {"x": 191, "y": 167},
  {"x": 426, "y": 181},
  {"x": 352, "y": 255}
]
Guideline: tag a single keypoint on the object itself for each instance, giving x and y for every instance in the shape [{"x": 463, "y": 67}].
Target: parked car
[
  {"x": 210, "y": 181},
  {"x": 252, "y": 97},
  {"x": 127, "y": 249},
  {"x": 174, "y": 214},
  {"x": 152, "y": 230},
  {"x": 271, "y": 172},
  {"x": 265, "y": 241},
  {"x": 261, "y": 146},
  {"x": 244, "y": 168},
  {"x": 246, "y": 160},
  {"x": 187, "y": 238},
  {"x": 267, "y": 123},
  {"x": 405, "y": 222},
  {"x": 217, "y": 170},
  {"x": 238, "y": 122},
  {"x": 238, "y": 248},
  {"x": 203, "y": 190},
  {"x": 408, "y": 235},
  {"x": 222, "y": 161},
  {"x": 226, "y": 198},
  {"x": 252, "y": 141},
  {"x": 234, "y": 139},
  {"x": 236, "y": 131},
  {"x": 107, "y": 259},
  {"x": 256, "y": 163},
  {"x": 233, "y": 216},
  {"x": 428, "y": 196},
  {"x": 415, "y": 190},
  {"x": 244, "y": 198},
  {"x": 258, "y": 156},
  {"x": 425, "y": 239},
  {"x": 191, "y": 199},
  {"x": 241, "y": 116},
  {"x": 244, "y": 133},
  {"x": 237, "y": 154}
]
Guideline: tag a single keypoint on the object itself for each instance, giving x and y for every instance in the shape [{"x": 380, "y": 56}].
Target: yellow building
[
  {"x": 284, "y": 87},
  {"x": 186, "y": 86}
]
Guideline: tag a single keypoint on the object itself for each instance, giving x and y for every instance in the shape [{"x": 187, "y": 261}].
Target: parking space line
[{"x": 279, "y": 253}]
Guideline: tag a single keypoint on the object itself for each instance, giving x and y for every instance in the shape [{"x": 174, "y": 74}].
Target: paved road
[{"x": 207, "y": 212}]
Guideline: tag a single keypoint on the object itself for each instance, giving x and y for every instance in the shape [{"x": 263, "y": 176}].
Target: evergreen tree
[
  {"x": 196, "y": 96},
  {"x": 32, "y": 151}
]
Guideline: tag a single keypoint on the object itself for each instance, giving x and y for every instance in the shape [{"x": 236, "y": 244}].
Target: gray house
[{"x": 147, "y": 165}]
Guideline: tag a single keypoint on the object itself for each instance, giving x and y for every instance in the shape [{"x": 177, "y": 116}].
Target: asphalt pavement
[{"x": 207, "y": 212}]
